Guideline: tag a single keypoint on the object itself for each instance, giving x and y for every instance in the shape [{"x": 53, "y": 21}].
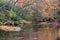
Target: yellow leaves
[
  {"x": 22, "y": 21},
  {"x": 32, "y": 0},
  {"x": 44, "y": 14}
]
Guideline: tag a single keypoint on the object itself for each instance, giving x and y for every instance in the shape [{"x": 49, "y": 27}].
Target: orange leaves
[{"x": 20, "y": 3}]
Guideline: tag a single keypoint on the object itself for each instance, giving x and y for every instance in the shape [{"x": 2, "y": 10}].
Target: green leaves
[
  {"x": 55, "y": 13},
  {"x": 2, "y": 17},
  {"x": 18, "y": 16},
  {"x": 1, "y": 1},
  {"x": 12, "y": 14},
  {"x": 24, "y": 14},
  {"x": 26, "y": 17}
]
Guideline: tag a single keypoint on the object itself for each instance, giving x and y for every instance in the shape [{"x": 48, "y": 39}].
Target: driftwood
[{"x": 10, "y": 28}]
